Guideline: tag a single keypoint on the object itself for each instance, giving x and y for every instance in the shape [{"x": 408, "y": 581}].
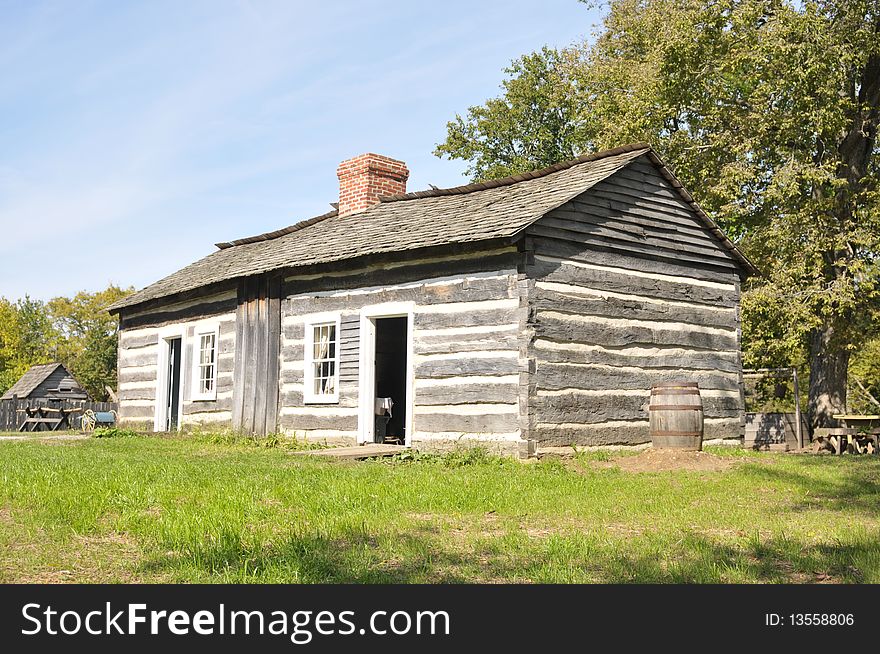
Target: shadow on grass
[
  {"x": 428, "y": 554},
  {"x": 854, "y": 487},
  {"x": 420, "y": 557},
  {"x": 777, "y": 560},
  {"x": 354, "y": 557}
]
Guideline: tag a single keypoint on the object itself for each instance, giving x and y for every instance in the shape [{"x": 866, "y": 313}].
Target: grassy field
[{"x": 190, "y": 510}]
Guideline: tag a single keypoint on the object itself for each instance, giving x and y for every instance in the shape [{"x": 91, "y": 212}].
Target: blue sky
[{"x": 135, "y": 135}]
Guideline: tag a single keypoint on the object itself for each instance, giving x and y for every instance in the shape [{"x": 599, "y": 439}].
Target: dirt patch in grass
[
  {"x": 33, "y": 556},
  {"x": 83, "y": 559},
  {"x": 669, "y": 460}
]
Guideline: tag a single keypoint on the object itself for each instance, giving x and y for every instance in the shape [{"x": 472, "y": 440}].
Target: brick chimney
[{"x": 364, "y": 178}]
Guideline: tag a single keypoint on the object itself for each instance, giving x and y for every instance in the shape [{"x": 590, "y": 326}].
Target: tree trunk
[
  {"x": 829, "y": 361},
  {"x": 829, "y": 351}
]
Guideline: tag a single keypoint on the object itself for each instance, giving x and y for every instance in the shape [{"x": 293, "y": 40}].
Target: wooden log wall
[
  {"x": 468, "y": 317},
  {"x": 138, "y": 363},
  {"x": 629, "y": 289},
  {"x": 558, "y": 338}
]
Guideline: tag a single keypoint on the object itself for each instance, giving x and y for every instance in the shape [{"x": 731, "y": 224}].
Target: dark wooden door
[
  {"x": 172, "y": 408},
  {"x": 257, "y": 361}
]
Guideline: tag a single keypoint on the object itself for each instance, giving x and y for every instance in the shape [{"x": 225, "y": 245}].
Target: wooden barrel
[{"x": 676, "y": 415}]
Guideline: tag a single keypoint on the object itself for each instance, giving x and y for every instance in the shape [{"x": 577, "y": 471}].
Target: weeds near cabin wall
[
  {"x": 233, "y": 438},
  {"x": 116, "y": 432},
  {"x": 461, "y": 456}
]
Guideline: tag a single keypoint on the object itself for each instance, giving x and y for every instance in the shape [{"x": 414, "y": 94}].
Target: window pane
[
  {"x": 207, "y": 359},
  {"x": 322, "y": 357}
]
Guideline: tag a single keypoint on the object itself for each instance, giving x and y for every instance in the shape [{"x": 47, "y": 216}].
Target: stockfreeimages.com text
[{"x": 300, "y": 626}]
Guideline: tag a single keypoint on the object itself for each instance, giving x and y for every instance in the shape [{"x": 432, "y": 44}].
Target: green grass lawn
[{"x": 189, "y": 510}]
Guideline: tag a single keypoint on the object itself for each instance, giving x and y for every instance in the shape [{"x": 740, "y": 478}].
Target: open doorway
[
  {"x": 391, "y": 366},
  {"x": 386, "y": 371},
  {"x": 172, "y": 385}
]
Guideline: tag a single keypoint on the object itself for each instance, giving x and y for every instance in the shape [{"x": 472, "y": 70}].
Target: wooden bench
[
  {"x": 42, "y": 416},
  {"x": 849, "y": 439},
  {"x": 33, "y": 424}
]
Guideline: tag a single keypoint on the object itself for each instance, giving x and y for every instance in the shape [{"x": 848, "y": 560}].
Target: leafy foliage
[
  {"x": 533, "y": 125},
  {"x": 76, "y": 331},
  {"x": 864, "y": 378},
  {"x": 26, "y": 338},
  {"x": 87, "y": 341},
  {"x": 768, "y": 111}
]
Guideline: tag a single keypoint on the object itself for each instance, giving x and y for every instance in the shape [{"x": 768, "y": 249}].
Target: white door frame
[
  {"x": 166, "y": 335},
  {"x": 367, "y": 367}
]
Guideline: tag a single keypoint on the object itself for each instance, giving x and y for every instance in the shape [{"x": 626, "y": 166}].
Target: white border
[
  {"x": 204, "y": 330},
  {"x": 309, "y": 397},
  {"x": 367, "y": 366},
  {"x": 166, "y": 334}
]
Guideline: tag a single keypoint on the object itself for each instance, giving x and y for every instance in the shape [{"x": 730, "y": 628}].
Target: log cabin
[{"x": 532, "y": 310}]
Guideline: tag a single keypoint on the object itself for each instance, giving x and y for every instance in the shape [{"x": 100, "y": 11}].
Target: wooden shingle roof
[
  {"x": 31, "y": 379},
  {"x": 475, "y": 212}
]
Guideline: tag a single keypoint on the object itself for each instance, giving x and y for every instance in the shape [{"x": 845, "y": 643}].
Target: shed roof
[
  {"x": 29, "y": 381},
  {"x": 475, "y": 212}
]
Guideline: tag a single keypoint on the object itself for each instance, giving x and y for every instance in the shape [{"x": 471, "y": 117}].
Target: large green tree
[
  {"x": 87, "y": 337},
  {"x": 26, "y": 338},
  {"x": 76, "y": 331},
  {"x": 533, "y": 125},
  {"x": 768, "y": 110}
]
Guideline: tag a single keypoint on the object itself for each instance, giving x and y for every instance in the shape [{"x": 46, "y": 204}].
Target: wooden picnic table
[
  {"x": 50, "y": 417},
  {"x": 857, "y": 420},
  {"x": 860, "y": 434}
]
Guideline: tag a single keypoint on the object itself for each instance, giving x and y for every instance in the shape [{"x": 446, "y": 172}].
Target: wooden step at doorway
[{"x": 356, "y": 452}]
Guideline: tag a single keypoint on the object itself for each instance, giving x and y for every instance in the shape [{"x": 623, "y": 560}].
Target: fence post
[{"x": 797, "y": 408}]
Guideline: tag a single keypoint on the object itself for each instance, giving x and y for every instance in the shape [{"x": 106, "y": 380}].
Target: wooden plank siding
[
  {"x": 629, "y": 289},
  {"x": 349, "y": 348},
  {"x": 52, "y": 382},
  {"x": 255, "y": 378},
  {"x": 466, "y": 339}
]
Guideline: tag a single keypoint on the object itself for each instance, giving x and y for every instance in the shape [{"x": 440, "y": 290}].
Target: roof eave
[{"x": 403, "y": 255}]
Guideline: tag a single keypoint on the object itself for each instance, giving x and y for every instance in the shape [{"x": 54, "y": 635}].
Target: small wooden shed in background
[{"x": 47, "y": 381}]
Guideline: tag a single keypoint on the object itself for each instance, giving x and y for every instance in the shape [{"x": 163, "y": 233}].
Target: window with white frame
[
  {"x": 205, "y": 366},
  {"x": 322, "y": 361}
]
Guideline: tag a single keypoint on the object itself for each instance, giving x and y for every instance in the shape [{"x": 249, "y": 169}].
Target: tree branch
[{"x": 867, "y": 393}]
